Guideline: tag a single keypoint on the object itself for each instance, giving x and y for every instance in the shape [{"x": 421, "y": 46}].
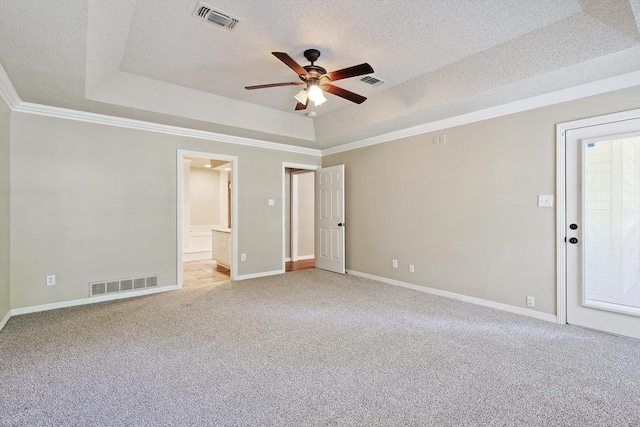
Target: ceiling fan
[{"x": 317, "y": 80}]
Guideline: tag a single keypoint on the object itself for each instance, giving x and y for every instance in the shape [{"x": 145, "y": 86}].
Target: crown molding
[
  {"x": 595, "y": 88},
  {"x": 7, "y": 91},
  {"x": 83, "y": 116},
  {"x": 13, "y": 101}
]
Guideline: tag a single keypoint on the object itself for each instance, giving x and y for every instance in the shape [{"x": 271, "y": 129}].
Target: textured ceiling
[{"x": 152, "y": 60}]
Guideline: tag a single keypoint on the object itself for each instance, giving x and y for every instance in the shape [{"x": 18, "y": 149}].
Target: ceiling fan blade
[
  {"x": 273, "y": 85},
  {"x": 301, "y": 106},
  {"x": 345, "y": 73},
  {"x": 343, "y": 93},
  {"x": 289, "y": 62}
]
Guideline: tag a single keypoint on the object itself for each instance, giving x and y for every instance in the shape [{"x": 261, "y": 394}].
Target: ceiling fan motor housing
[
  {"x": 313, "y": 73},
  {"x": 312, "y": 55}
]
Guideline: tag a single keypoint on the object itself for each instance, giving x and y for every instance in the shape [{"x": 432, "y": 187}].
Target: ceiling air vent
[
  {"x": 372, "y": 81},
  {"x": 207, "y": 13}
]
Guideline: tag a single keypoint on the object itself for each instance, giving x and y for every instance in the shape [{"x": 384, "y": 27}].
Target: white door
[
  {"x": 603, "y": 227},
  {"x": 330, "y": 219}
]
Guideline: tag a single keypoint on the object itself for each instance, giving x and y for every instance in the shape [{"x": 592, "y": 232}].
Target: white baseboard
[
  {"x": 196, "y": 256},
  {"x": 452, "y": 295},
  {"x": 257, "y": 275},
  {"x": 460, "y": 297},
  {"x": 5, "y": 319},
  {"x": 305, "y": 257},
  {"x": 92, "y": 300}
]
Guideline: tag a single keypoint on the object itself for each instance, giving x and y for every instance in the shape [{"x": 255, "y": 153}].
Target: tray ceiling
[{"x": 153, "y": 60}]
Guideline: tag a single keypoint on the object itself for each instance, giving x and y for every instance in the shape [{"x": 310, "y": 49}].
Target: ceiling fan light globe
[
  {"x": 302, "y": 96},
  {"x": 319, "y": 101},
  {"x": 315, "y": 94}
]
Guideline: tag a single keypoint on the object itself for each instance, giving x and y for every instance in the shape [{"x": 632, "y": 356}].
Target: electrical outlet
[
  {"x": 439, "y": 139},
  {"x": 531, "y": 301},
  {"x": 394, "y": 263},
  {"x": 412, "y": 268},
  {"x": 51, "y": 280},
  {"x": 243, "y": 257}
]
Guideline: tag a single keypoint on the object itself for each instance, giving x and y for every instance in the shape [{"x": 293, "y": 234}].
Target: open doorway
[
  {"x": 298, "y": 216},
  {"x": 206, "y": 209}
]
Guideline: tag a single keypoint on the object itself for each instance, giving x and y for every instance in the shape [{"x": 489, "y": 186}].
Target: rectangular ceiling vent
[
  {"x": 372, "y": 81},
  {"x": 207, "y": 13}
]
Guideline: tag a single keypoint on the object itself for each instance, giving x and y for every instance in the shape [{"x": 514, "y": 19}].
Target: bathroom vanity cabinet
[{"x": 222, "y": 247}]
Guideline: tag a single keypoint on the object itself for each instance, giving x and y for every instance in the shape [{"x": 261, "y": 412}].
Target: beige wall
[
  {"x": 306, "y": 214},
  {"x": 464, "y": 212},
  {"x": 93, "y": 202},
  {"x": 4, "y": 210},
  {"x": 205, "y": 198}
]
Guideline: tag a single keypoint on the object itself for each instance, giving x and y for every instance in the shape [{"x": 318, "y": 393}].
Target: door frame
[
  {"x": 561, "y": 211},
  {"x": 285, "y": 166},
  {"x": 181, "y": 154},
  {"x": 295, "y": 215}
]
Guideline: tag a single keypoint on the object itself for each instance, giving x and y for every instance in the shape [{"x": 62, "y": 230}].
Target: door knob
[
  {"x": 573, "y": 240},
  {"x": 340, "y": 224}
]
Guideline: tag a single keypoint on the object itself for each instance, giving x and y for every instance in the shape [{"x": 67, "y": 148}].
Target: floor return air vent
[{"x": 122, "y": 285}]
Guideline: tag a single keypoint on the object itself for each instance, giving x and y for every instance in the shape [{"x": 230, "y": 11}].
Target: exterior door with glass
[{"x": 603, "y": 227}]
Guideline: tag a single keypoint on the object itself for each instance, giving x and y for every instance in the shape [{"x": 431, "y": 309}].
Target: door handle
[
  {"x": 341, "y": 224},
  {"x": 573, "y": 240}
]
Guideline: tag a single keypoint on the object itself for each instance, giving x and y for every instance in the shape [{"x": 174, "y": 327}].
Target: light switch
[{"x": 545, "y": 201}]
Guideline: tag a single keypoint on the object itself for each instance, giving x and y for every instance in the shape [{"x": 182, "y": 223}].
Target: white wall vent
[
  {"x": 97, "y": 288},
  {"x": 151, "y": 281},
  {"x": 113, "y": 287},
  {"x": 123, "y": 285},
  {"x": 126, "y": 285},
  {"x": 372, "y": 81},
  {"x": 207, "y": 13}
]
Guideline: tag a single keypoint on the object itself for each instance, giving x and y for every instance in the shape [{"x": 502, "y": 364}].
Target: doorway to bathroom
[{"x": 206, "y": 212}]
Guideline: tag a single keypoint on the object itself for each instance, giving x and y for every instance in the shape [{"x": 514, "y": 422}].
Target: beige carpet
[{"x": 310, "y": 348}]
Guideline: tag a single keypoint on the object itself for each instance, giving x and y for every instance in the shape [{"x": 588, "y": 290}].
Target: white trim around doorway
[
  {"x": 561, "y": 210},
  {"x": 285, "y": 166},
  {"x": 181, "y": 154}
]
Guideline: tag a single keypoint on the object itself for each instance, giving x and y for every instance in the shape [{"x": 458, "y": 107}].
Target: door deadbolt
[{"x": 573, "y": 226}]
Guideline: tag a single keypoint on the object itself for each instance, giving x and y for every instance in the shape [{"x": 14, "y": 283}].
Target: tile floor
[{"x": 202, "y": 272}]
